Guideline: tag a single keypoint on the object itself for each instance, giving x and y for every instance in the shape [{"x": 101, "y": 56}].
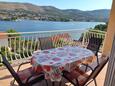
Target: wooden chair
[
  {"x": 25, "y": 77},
  {"x": 46, "y": 43},
  {"x": 81, "y": 77}
]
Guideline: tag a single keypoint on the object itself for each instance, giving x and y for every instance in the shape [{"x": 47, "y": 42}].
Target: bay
[{"x": 35, "y": 25}]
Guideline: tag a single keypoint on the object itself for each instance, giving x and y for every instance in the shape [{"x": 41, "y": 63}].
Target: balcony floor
[{"x": 6, "y": 78}]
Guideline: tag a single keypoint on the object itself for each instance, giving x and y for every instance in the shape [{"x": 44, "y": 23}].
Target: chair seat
[
  {"x": 78, "y": 74},
  {"x": 26, "y": 73},
  {"x": 89, "y": 60}
]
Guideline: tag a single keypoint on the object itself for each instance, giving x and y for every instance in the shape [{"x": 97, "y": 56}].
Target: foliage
[
  {"x": 10, "y": 19},
  {"x": 102, "y": 27},
  {"x": 12, "y": 31},
  {"x": 5, "y": 50}
]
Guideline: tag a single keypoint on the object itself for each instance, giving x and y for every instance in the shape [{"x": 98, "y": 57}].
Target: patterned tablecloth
[{"x": 54, "y": 61}]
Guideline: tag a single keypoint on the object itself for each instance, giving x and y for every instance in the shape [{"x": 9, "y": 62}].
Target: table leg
[
  {"x": 53, "y": 83},
  {"x": 46, "y": 82},
  {"x": 60, "y": 83}
]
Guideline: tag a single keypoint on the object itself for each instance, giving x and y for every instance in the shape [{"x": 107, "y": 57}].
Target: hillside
[{"x": 12, "y": 11}]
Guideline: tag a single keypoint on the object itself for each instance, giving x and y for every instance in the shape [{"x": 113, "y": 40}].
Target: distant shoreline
[{"x": 45, "y": 20}]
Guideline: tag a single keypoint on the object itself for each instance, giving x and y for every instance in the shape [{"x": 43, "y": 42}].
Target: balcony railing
[
  {"x": 21, "y": 45},
  {"x": 92, "y": 33}
]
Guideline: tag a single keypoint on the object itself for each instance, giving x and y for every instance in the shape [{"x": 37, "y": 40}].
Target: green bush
[
  {"x": 102, "y": 27},
  {"x": 12, "y": 31}
]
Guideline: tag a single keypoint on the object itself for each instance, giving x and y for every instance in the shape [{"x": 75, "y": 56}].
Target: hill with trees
[{"x": 13, "y": 11}]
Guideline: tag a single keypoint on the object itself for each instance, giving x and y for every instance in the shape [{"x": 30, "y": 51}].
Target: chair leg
[
  {"x": 69, "y": 80},
  {"x": 88, "y": 83},
  {"x": 12, "y": 82},
  {"x": 53, "y": 83},
  {"x": 77, "y": 82},
  {"x": 97, "y": 59},
  {"x": 95, "y": 82},
  {"x": 46, "y": 82},
  {"x": 86, "y": 67},
  {"x": 60, "y": 83}
]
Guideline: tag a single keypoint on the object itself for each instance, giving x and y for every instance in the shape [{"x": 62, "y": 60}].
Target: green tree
[
  {"x": 12, "y": 31},
  {"x": 102, "y": 27}
]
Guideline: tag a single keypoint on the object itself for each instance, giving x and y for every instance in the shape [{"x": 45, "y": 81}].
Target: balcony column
[
  {"x": 110, "y": 32},
  {"x": 110, "y": 74}
]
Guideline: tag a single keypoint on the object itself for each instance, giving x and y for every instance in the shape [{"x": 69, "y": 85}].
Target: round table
[{"x": 54, "y": 61}]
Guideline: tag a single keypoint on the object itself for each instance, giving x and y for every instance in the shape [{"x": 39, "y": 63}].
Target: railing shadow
[{"x": 6, "y": 77}]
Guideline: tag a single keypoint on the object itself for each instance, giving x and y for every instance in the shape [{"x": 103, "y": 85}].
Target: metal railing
[{"x": 23, "y": 44}]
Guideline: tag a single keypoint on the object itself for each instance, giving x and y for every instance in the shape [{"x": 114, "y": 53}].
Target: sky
[{"x": 70, "y": 4}]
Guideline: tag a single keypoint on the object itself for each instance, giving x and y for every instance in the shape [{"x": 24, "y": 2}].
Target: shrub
[{"x": 102, "y": 27}]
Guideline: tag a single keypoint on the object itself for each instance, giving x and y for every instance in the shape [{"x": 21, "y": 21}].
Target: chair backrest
[
  {"x": 94, "y": 44},
  {"x": 11, "y": 70},
  {"x": 65, "y": 36},
  {"x": 61, "y": 39},
  {"x": 46, "y": 43},
  {"x": 97, "y": 70}
]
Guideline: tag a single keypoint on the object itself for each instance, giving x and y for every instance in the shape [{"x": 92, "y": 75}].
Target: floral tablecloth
[{"x": 54, "y": 61}]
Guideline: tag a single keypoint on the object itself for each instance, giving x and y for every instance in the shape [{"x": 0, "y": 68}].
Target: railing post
[{"x": 84, "y": 35}]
